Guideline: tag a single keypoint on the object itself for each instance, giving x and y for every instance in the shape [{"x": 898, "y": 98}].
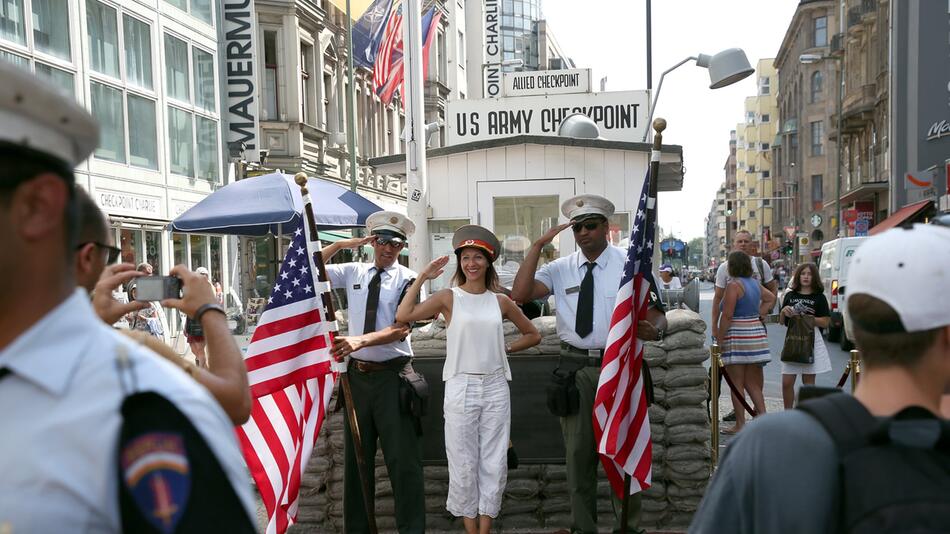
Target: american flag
[
  {"x": 389, "y": 54},
  {"x": 288, "y": 364},
  {"x": 621, "y": 423}
]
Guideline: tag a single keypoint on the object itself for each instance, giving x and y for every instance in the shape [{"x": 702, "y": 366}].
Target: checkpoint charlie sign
[
  {"x": 547, "y": 82},
  {"x": 620, "y": 115}
]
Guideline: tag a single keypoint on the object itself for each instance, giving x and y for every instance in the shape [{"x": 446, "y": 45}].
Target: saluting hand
[
  {"x": 105, "y": 305},
  {"x": 355, "y": 242},
  {"x": 435, "y": 268},
  {"x": 552, "y": 233}
]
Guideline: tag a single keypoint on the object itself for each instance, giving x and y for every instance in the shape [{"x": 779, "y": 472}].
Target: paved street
[{"x": 773, "y": 371}]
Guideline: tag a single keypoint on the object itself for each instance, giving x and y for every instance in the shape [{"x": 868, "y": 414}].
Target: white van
[{"x": 833, "y": 267}]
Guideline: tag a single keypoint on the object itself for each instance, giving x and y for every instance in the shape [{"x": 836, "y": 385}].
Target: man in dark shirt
[{"x": 904, "y": 338}]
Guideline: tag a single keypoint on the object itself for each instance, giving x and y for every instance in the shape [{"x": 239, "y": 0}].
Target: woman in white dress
[
  {"x": 477, "y": 406},
  {"x": 805, "y": 297}
]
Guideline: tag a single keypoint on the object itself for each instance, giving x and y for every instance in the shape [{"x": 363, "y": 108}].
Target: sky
[{"x": 610, "y": 38}]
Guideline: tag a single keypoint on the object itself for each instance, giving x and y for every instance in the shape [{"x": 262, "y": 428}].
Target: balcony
[
  {"x": 790, "y": 126},
  {"x": 837, "y": 44},
  {"x": 854, "y": 17},
  {"x": 858, "y": 106},
  {"x": 869, "y": 10}
]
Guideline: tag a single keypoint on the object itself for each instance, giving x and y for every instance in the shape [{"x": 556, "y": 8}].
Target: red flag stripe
[
  {"x": 304, "y": 373},
  {"x": 287, "y": 352},
  {"x": 287, "y": 324}
]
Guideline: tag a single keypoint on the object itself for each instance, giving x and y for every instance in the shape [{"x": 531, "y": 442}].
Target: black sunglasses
[
  {"x": 114, "y": 252},
  {"x": 394, "y": 242},
  {"x": 589, "y": 226}
]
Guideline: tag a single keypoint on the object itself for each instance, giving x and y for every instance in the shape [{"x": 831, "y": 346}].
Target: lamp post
[
  {"x": 725, "y": 68},
  {"x": 809, "y": 59}
]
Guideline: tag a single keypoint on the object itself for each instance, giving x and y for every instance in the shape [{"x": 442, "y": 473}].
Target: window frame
[
  {"x": 817, "y": 148},
  {"x": 31, "y": 56},
  {"x": 190, "y": 10},
  {"x": 124, "y": 87},
  {"x": 193, "y": 110},
  {"x": 815, "y": 29},
  {"x": 816, "y": 95}
]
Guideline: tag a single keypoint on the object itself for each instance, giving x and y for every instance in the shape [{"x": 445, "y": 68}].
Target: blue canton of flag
[
  {"x": 295, "y": 281},
  {"x": 640, "y": 253}
]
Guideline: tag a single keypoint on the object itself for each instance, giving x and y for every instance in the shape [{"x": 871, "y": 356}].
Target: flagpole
[
  {"x": 350, "y": 112},
  {"x": 417, "y": 200},
  {"x": 651, "y": 217},
  {"x": 352, "y": 420}
]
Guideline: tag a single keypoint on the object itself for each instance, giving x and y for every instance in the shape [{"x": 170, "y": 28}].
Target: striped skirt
[{"x": 746, "y": 342}]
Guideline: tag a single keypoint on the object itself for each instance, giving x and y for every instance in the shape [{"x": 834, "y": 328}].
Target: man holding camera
[
  {"x": 99, "y": 435},
  {"x": 380, "y": 356},
  {"x": 585, "y": 286}
]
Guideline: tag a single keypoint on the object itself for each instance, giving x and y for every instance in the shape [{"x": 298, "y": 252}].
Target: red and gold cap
[{"x": 472, "y": 235}]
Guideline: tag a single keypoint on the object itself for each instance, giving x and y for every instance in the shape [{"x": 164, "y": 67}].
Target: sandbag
[
  {"x": 685, "y": 376},
  {"x": 687, "y": 356},
  {"x": 685, "y": 415},
  {"x": 679, "y": 320},
  {"x": 682, "y": 340}
]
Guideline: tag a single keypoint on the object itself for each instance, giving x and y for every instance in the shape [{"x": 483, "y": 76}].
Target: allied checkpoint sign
[
  {"x": 547, "y": 82},
  {"x": 620, "y": 115}
]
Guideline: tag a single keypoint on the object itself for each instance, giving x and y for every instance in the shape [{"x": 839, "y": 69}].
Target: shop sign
[
  {"x": 547, "y": 82},
  {"x": 120, "y": 203},
  {"x": 492, "y": 66},
  {"x": 620, "y": 115},
  {"x": 238, "y": 51}
]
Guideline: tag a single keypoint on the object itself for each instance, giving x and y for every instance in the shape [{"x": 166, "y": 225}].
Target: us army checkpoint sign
[{"x": 620, "y": 115}]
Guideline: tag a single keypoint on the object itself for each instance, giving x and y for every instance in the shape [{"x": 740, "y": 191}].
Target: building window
[
  {"x": 766, "y": 117},
  {"x": 138, "y": 52},
  {"x": 817, "y": 192},
  {"x": 143, "y": 144},
  {"x": 107, "y": 108},
  {"x": 817, "y": 138},
  {"x": 200, "y": 9},
  {"x": 176, "y": 68},
  {"x": 750, "y": 117},
  {"x": 59, "y": 77},
  {"x": 766, "y": 174},
  {"x": 205, "y": 86},
  {"x": 460, "y": 60},
  {"x": 207, "y": 137},
  {"x": 51, "y": 27},
  {"x": 817, "y": 85},
  {"x": 764, "y": 146},
  {"x": 821, "y": 31},
  {"x": 752, "y": 214},
  {"x": 270, "y": 75},
  {"x": 764, "y": 85},
  {"x": 306, "y": 85},
  {"x": 180, "y": 142},
  {"x": 12, "y": 27},
  {"x": 103, "y": 38}
]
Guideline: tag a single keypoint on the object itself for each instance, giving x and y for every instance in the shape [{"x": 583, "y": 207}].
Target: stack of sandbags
[{"x": 679, "y": 421}]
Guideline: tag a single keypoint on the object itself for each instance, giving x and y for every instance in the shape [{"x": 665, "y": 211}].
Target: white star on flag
[
  {"x": 304, "y": 269},
  {"x": 296, "y": 282},
  {"x": 284, "y": 275},
  {"x": 292, "y": 263},
  {"x": 300, "y": 250},
  {"x": 276, "y": 287},
  {"x": 307, "y": 288},
  {"x": 288, "y": 294},
  {"x": 298, "y": 231}
]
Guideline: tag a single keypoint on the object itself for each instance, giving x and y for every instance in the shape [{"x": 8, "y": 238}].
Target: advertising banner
[{"x": 239, "y": 66}]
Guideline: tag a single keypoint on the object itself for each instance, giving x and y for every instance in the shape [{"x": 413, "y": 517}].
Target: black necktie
[
  {"x": 372, "y": 302},
  {"x": 4, "y": 372},
  {"x": 584, "y": 322}
]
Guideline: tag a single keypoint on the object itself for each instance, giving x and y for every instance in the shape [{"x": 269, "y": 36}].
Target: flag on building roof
[
  {"x": 621, "y": 423},
  {"x": 288, "y": 364}
]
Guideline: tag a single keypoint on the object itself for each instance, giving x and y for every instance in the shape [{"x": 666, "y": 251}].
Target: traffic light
[
  {"x": 789, "y": 248},
  {"x": 728, "y": 207}
]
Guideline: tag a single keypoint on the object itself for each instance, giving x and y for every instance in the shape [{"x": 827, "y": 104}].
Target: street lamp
[
  {"x": 505, "y": 63},
  {"x": 810, "y": 59},
  {"x": 725, "y": 68}
]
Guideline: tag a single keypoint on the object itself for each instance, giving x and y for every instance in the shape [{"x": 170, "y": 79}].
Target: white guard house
[{"x": 515, "y": 186}]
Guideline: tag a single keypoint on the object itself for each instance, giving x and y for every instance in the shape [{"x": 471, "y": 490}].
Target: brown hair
[
  {"x": 816, "y": 284},
  {"x": 740, "y": 264},
  {"x": 491, "y": 276},
  {"x": 872, "y": 318}
]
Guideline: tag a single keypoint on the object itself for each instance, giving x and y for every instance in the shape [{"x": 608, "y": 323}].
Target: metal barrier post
[
  {"x": 715, "y": 354},
  {"x": 855, "y": 363}
]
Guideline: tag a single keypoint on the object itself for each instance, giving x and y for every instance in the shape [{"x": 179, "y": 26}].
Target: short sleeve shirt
[
  {"x": 814, "y": 303},
  {"x": 723, "y": 278},
  {"x": 563, "y": 278},
  {"x": 355, "y": 279}
]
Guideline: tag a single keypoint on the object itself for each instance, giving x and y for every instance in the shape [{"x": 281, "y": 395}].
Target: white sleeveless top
[{"x": 475, "y": 339}]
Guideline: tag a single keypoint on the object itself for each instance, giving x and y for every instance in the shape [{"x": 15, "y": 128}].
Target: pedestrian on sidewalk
[
  {"x": 805, "y": 297},
  {"x": 787, "y": 471},
  {"x": 477, "y": 406},
  {"x": 745, "y": 343}
]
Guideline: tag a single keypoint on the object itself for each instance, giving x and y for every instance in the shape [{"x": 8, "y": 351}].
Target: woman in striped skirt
[{"x": 742, "y": 332}]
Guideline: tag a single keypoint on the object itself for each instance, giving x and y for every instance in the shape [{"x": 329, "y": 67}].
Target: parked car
[{"x": 833, "y": 265}]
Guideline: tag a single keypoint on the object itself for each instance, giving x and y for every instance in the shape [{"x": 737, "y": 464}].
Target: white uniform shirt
[
  {"x": 563, "y": 278},
  {"x": 355, "y": 277},
  {"x": 61, "y": 419},
  {"x": 723, "y": 278}
]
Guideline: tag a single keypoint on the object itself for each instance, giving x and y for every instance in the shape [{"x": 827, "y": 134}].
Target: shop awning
[{"x": 905, "y": 214}]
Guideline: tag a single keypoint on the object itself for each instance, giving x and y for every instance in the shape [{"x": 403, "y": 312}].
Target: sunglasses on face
[
  {"x": 393, "y": 242},
  {"x": 588, "y": 225},
  {"x": 114, "y": 252}
]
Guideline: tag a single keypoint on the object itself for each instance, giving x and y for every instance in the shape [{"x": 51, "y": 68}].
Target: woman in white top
[{"x": 477, "y": 405}]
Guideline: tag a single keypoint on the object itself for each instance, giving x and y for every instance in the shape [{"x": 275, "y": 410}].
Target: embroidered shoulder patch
[{"x": 155, "y": 470}]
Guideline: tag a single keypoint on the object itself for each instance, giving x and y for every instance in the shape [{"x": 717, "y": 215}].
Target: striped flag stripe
[
  {"x": 288, "y": 323},
  {"x": 304, "y": 373},
  {"x": 283, "y": 353},
  {"x": 267, "y": 344}
]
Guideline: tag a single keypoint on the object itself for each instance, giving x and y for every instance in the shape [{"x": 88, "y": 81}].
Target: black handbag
[{"x": 563, "y": 399}]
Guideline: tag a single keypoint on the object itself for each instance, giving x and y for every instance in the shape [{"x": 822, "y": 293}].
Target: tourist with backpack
[
  {"x": 878, "y": 461},
  {"x": 804, "y": 308}
]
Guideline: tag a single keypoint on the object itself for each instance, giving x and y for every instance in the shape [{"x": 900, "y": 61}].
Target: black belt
[
  {"x": 395, "y": 364},
  {"x": 586, "y": 357}
]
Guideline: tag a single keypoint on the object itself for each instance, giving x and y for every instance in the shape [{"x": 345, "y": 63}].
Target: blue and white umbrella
[{"x": 271, "y": 204}]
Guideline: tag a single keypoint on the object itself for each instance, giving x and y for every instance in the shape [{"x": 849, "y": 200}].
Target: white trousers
[{"x": 477, "y": 412}]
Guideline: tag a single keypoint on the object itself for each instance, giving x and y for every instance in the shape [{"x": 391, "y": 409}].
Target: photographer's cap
[
  {"x": 586, "y": 206},
  {"x": 908, "y": 269},
  {"x": 35, "y": 115},
  {"x": 383, "y": 222}
]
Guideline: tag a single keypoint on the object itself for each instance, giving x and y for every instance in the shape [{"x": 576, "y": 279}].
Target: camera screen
[{"x": 153, "y": 288}]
